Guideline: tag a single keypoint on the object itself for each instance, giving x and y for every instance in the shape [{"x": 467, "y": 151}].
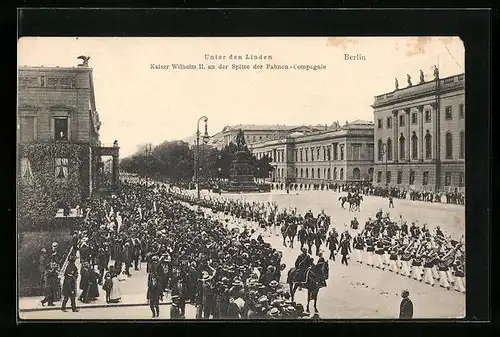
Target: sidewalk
[{"x": 133, "y": 291}]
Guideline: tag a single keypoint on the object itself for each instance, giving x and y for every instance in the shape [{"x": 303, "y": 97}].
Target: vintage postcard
[{"x": 252, "y": 178}]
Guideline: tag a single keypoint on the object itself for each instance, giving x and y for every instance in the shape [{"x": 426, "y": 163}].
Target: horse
[
  {"x": 289, "y": 231},
  {"x": 316, "y": 277},
  {"x": 356, "y": 203},
  {"x": 344, "y": 200}
]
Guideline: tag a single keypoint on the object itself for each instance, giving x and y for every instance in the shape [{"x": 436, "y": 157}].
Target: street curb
[{"x": 111, "y": 305}]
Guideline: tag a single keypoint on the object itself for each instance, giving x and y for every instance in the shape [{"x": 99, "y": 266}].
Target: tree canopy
[{"x": 174, "y": 160}]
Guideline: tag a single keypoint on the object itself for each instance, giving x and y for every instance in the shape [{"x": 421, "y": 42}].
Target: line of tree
[{"x": 174, "y": 161}]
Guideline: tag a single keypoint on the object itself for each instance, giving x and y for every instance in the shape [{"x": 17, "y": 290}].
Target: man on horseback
[{"x": 303, "y": 262}]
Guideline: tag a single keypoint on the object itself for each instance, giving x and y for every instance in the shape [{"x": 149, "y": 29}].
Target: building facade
[
  {"x": 58, "y": 129},
  {"x": 333, "y": 156},
  {"x": 420, "y": 136},
  {"x": 261, "y": 133}
]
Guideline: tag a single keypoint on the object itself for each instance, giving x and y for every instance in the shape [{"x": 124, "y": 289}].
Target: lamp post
[
  {"x": 148, "y": 152},
  {"x": 219, "y": 187},
  {"x": 206, "y": 138}
]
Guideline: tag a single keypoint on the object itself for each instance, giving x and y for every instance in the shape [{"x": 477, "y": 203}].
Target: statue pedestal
[{"x": 241, "y": 176}]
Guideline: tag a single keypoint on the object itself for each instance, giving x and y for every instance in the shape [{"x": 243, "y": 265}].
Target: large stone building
[
  {"x": 58, "y": 129},
  {"x": 338, "y": 155},
  {"x": 260, "y": 133},
  {"x": 420, "y": 135}
]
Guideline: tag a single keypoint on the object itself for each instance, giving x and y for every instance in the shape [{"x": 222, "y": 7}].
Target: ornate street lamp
[
  {"x": 205, "y": 139},
  {"x": 148, "y": 153}
]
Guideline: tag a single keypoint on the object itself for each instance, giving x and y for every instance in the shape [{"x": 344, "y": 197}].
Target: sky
[{"x": 137, "y": 104}]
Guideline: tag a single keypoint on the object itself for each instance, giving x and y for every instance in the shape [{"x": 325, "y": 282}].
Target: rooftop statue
[
  {"x": 85, "y": 61},
  {"x": 436, "y": 73}
]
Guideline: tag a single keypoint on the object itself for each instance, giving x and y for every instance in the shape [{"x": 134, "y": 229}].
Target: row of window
[
  {"x": 448, "y": 115},
  {"x": 386, "y": 148},
  {"x": 27, "y": 128},
  {"x": 303, "y": 154},
  {"x": 425, "y": 178},
  {"x": 316, "y": 173},
  {"x": 61, "y": 169}
]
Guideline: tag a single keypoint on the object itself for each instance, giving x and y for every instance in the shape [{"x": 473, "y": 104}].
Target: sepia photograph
[{"x": 241, "y": 178}]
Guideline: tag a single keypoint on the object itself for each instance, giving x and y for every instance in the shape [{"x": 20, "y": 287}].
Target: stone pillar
[
  {"x": 395, "y": 138},
  {"x": 115, "y": 171},
  {"x": 421, "y": 132},
  {"x": 408, "y": 136},
  {"x": 437, "y": 150},
  {"x": 435, "y": 132}
]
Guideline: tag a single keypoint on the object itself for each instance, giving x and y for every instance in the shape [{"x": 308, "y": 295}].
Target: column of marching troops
[
  {"x": 228, "y": 273},
  {"x": 416, "y": 252}
]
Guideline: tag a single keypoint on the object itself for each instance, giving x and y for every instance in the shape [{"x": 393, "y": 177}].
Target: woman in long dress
[{"x": 115, "y": 293}]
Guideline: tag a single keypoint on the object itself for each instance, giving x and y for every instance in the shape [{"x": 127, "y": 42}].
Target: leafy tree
[
  {"x": 175, "y": 160},
  {"x": 169, "y": 160},
  {"x": 263, "y": 167}
]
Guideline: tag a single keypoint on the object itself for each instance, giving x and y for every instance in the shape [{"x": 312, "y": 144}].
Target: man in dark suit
[
  {"x": 332, "y": 243},
  {"x": 344, "y": 249},
  {"x": 69, "y": 284},
  {"x": 406, "y": 308}
]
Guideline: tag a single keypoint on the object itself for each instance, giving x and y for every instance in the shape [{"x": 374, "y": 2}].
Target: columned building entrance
[{"x": 114, "y": 152}]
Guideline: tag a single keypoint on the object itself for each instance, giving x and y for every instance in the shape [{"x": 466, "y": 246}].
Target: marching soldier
[
  {"x": 416, "y": 263},
  {"x": 393, "y": 258},
  {"x": 379, "y": 252},
  {"x": 405, "y": 258},
  {"x": 370, "y": 249},
  {"x": 359, "y": 245},
  {"x": 459, "y": 272},
  {"x": 442, "y": 269},
  {"x": 430, "y": 260}
]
